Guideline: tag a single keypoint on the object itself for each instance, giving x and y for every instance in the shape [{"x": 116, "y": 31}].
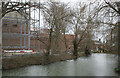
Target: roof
[{"x": 14, "y": 16}]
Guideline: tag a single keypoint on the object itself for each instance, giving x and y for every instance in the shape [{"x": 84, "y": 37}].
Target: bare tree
[
  {"x": 80, "y": 26},
  {"x": 20, "y": 7},
  {"x": 56, "y": 15},
  {"x": 115, "y": 11}
]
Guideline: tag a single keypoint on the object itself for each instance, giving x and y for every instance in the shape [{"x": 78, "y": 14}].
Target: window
[
  {"x": 15, "y": 25},
  {"x": 4, "y": 25}
]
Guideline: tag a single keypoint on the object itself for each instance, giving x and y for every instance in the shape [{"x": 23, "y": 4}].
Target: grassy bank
[{"x": 26, "y": 60}]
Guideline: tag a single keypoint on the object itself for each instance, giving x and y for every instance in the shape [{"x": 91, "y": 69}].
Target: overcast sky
[
  {"x": 98, "y": 35},
  {"x": 72, "y": 3},
  {"x": 62, "y": 0}
]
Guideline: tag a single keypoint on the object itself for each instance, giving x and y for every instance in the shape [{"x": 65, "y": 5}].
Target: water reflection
[{"x": 94, "y": 65}]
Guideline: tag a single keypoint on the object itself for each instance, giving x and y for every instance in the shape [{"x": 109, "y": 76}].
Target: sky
[
  {"x": 72, "y": 3},
  {"x": 66, "y": 1}
]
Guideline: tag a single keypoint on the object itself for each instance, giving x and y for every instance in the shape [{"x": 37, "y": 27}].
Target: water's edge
[
  {"x": 23, "y": 61},
  {"x": 94, "y": 65}
]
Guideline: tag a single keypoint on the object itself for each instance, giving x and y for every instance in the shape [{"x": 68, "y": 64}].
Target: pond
[{"x": 94, "y": 65}]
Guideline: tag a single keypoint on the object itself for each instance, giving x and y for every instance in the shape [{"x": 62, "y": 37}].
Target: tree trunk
[
  {"x": 119, "y": 44},
  {"x": 118, "y": 6},
  {"x": 65, "y": 43},
  {"x": 0, "y": 36},
  {"x": 75, "y": 53},
  {"x": 50, "y": 40},
  {"x": 57, "y": 44},
  {"x": 46, "y": 57}
]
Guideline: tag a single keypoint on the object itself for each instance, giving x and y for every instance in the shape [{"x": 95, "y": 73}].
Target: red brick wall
[
  {"x": 34, "y": 43},
  {"x": 8, "y": 27}
]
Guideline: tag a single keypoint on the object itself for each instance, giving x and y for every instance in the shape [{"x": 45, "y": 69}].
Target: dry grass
[{"x": 16, "y": 62}]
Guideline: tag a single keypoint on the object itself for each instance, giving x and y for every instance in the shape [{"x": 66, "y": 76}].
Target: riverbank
[
  {"x": 94, "y": 65},
  {"x": 107, "y": 52},
  {"x": 36, "y": 59}
]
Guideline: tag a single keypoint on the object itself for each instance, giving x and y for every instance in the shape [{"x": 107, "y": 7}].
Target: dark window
[
  {"x": 15, "y": 25},
  {"x": 4, "y": 25}
]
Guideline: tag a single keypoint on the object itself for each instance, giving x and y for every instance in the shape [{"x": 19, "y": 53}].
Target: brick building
[
  {"x": 14, "y": 31},
  {"x": 44, "y": 41}
]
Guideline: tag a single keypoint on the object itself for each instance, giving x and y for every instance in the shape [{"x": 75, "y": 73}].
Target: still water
[{"x": 94, "y": 65}]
